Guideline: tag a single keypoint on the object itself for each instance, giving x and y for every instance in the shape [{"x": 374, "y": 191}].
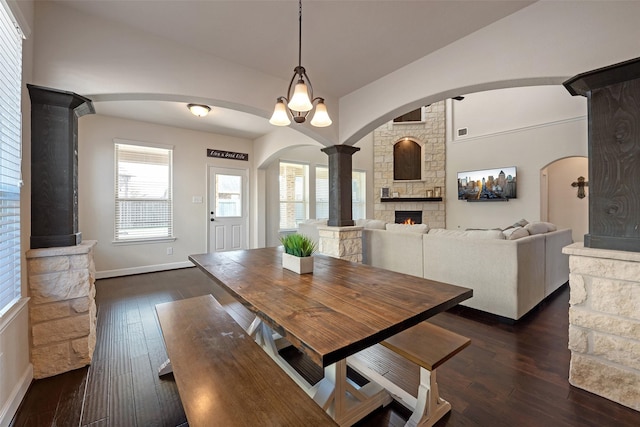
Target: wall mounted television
[{"x": 484, "y": 185}]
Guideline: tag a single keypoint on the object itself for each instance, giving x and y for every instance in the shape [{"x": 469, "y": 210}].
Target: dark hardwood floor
[{"x": 511, "y": 375}]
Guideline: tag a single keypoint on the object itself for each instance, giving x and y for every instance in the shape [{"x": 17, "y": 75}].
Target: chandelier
[{"x": 300, "y": 104}]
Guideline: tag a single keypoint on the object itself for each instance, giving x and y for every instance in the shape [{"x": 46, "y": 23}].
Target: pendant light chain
[
  {"x": 300, "y": 33},
  {"x": 301, "y": 101}
]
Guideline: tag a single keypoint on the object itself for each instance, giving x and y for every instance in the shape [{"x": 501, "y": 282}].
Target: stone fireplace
[{"x": 407, "y": 194}]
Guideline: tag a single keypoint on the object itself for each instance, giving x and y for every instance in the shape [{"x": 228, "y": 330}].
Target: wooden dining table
[{"x": 338, "y": 310}]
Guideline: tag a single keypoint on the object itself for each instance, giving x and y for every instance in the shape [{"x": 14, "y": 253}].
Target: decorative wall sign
[{"x": 221, "y": 154}]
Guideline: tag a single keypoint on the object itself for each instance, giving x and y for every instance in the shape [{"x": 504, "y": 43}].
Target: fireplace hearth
[{"x": 408, "y": 217}]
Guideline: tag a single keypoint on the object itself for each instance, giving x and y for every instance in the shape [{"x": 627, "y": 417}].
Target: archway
[{"x": 560, "y": 203}]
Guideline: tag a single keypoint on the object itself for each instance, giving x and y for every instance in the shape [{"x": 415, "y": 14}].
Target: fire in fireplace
[{"x": 408, "y": 217}]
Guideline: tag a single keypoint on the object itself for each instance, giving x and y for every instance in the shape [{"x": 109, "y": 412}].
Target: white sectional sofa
[{"x": 508, "y": 277}]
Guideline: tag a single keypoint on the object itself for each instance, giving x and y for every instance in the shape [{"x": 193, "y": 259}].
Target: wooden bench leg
[
  {"x": 430, "y": 407},
  {"x": 165, "y": 368}
]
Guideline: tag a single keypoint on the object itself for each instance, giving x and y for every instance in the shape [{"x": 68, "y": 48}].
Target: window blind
[
  {"x": 293, "y": 194},
  {"x": 10, "y": 156},
  {"x": 144, "y": 206},
  {"x": 322, "y": 192}
]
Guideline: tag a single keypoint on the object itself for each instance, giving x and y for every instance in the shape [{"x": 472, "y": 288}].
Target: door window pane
[{"x": 228, "y": 196}]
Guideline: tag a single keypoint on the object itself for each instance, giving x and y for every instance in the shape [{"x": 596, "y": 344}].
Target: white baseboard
[
  {"x": 10, "y": 407},
  {"x": 142, "y": 269}
]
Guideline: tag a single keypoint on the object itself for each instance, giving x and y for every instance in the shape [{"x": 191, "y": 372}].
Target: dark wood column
[
  {"x": 340, "y": 210},
  {"x": 54, "y": 166},
  {"x": 613, "y": 97}
]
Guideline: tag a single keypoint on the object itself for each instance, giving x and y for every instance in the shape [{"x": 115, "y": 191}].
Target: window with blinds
[
  {"x": 144, "y": 207},
  {"x": 10, "y": 158},
  {"x": 358, "y": 193},
  {"x": 294, "y": 194}
]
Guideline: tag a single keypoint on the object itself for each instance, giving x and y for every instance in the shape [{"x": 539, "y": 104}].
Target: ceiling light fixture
[
  {"x": 199, "y": 110},
  {"x": 301, "y": 102}
]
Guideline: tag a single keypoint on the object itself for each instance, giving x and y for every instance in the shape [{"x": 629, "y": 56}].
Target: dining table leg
[{"x": 342, "y": 398}]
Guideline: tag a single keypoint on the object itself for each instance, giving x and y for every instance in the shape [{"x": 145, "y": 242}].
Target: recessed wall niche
[{"x": 407, "y": 160}]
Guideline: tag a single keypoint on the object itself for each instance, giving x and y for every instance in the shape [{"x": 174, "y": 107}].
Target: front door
[{"x": 228, "y": 213}]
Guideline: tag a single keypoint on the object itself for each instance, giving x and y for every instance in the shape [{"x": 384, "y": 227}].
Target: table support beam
[{"x": 345, "y": 401}]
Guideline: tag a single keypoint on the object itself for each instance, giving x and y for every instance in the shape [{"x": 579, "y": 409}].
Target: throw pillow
[
  {"x": 515, "y": 233},
  {"x": 537, "y": 228},
  {"x": 408, "y": 228},
  {"x": 550, "y": 226},
  {"x": 520, "y": 223}
]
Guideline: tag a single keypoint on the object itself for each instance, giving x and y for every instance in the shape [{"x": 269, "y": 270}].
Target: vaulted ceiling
[{"x": 345, "y": 44}]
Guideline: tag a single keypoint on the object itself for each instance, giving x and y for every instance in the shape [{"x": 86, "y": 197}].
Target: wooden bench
[
  {"x": 425, "y": 345},
  {"x": 223, "y": 376}
]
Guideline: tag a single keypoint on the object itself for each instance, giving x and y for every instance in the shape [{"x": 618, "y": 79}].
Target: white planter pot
[{"x": 297, "y": 264}]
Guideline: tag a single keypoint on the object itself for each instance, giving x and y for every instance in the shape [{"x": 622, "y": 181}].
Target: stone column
[
  {"x": 341, "y": 242},
  {"x": 62, "y": 308},
  {"x": 614, "y": 154},
  {"x": 604, "y": 322},
  {"x": 340, "y": 171}
]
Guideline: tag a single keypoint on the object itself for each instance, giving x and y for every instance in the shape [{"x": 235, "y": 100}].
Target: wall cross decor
[{"x": 580, "y": 183}]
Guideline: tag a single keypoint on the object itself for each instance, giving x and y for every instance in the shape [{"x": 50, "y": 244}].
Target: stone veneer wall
[
  {"x": 62, "y": 308},
  {"x": 341, "y": 242},
  {"x": 431, "y": 133},
  {"x": 604, "y": 323}
]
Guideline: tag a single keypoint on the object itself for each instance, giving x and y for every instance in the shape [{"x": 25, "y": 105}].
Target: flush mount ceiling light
[
  {"x": 199, "y": 110},
  {"x": 300, "y": 103}
]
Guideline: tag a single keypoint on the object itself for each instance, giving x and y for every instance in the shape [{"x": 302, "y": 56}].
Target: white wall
[
  {"x": 16, "y": 371},
  {"x": 564, "y": 208},
  {"x": 530, "y": 141},
  {"x": 190, "y": 163},
  {"x": 114, "y": 59},
  {"x": 542, "y": 44}
]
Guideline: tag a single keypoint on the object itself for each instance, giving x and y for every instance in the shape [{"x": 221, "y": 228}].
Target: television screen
[{"x": 487, "y": 184}]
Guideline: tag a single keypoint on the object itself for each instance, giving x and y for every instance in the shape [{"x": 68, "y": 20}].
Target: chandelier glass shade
[{"x": 300, "y": 103}]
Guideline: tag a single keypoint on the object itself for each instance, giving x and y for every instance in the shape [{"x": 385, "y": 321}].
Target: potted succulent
[{"x": 298, "y": 251}]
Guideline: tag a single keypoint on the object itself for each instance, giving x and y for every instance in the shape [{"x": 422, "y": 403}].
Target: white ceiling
[{"x": 345, "y": 44}]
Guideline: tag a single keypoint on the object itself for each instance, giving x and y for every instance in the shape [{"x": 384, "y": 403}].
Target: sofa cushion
[
  {"x": 471, "y": 234},
  {"x": 371, "y": 224},
  {"x": 408, "y": 228},
  {"x": 444, "y": 232},
  {"x": 515, "y": 233},
  {"x": 484, "y": 234}
]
